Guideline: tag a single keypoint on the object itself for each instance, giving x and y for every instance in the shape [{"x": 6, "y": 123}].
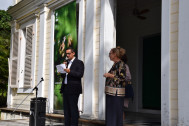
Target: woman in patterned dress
[{"x": 115, "y": 88}]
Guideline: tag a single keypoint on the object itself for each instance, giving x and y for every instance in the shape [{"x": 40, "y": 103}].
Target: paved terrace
[{"x": 131, "y": 119}]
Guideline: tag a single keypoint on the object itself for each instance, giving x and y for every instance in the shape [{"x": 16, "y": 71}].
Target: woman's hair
[{"x": 118, "y": 51}]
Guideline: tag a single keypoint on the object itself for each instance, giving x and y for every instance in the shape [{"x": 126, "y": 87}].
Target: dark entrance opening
[
  {"x": 151, "y": 80},
  {"x": 138, "y": 30}
]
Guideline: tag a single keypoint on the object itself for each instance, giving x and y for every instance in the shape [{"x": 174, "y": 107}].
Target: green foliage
[
  {"x": 5, "y": 19},
  {"x": 65, "y": 36},
  {"x": 58, "y": 97},
  {"x": 5, "y": 33},
  {"x": 65, "y": 26}
]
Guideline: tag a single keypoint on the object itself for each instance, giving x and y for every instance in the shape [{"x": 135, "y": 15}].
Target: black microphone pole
[{"x": 36, "y": 89}]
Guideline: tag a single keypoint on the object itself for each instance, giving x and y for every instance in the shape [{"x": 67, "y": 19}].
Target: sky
[{"x": 4, "y": 4}]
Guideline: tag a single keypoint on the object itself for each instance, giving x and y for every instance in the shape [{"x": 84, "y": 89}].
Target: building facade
[{"x": 154, "y": 34}]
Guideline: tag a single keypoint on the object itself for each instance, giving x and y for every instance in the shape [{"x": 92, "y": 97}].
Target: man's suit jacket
[{"x": 73, "y": 85}]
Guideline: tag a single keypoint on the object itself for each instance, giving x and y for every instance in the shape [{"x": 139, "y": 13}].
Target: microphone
[{"x": 42, "y": 79}]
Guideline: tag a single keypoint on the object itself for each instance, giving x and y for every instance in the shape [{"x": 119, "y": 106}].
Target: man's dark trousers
[{"x": 70, "y": 102}]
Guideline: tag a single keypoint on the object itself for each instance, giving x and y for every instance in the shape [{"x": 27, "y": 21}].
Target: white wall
[{"x": 183, "y": 61}]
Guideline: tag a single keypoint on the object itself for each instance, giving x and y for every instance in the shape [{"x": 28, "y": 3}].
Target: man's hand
[
  {"x": 67, "y": 70},
  {"x": 65, "y": 63}
]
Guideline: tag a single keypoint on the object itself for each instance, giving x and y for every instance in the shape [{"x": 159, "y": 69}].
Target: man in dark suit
[{"x": 71, "y": 87}]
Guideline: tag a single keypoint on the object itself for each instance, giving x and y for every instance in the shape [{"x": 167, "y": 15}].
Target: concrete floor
[
  {"x": 142, "y": 119},
  {"x": 131, "y": 119}
]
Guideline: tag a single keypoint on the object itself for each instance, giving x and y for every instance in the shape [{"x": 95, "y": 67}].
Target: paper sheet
[{"x": 60, "y": 68}]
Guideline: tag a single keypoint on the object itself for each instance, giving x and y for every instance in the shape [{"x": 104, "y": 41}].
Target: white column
[
  {"x": 42, "y": 51},
  {"x": 107, "y": 41},
  {"x": 81, "y": 44},
  {"x": 51, "y": 79},
  {"x": 88, "y": 88},
  {"x": 9, "y": 92},
  {"x": 165, "y": 64},
  {"x": 183, "y": 61}
]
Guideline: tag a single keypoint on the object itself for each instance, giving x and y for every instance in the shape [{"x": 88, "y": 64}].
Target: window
[
  {"x": 23, "y": 57},
  {"x": 14, "y": 61},
  {"x": 28, "y": 56}
]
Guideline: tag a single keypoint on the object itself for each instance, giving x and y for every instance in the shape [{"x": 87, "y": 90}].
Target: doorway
[
  {"x": 151, "y": 72},
  {"x": 138, "y": 28}
]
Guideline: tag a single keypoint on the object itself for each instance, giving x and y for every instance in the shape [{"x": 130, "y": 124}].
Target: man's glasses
[{"x": 68, "y": 53}]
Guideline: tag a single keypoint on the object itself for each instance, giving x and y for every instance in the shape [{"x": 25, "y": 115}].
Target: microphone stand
[{"x": 36, "y": 89}]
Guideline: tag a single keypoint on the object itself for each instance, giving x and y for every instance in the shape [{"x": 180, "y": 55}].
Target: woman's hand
[{"x": 108, "y": 75}]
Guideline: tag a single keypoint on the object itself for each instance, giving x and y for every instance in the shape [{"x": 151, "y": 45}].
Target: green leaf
[{"x": 5, "y": 34}]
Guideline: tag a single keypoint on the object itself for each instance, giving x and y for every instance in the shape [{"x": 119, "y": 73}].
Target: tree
[{"x": 5, "y": 33}]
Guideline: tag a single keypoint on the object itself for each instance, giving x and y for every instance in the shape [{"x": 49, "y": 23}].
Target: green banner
[{"x": 65, "y": 35}]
